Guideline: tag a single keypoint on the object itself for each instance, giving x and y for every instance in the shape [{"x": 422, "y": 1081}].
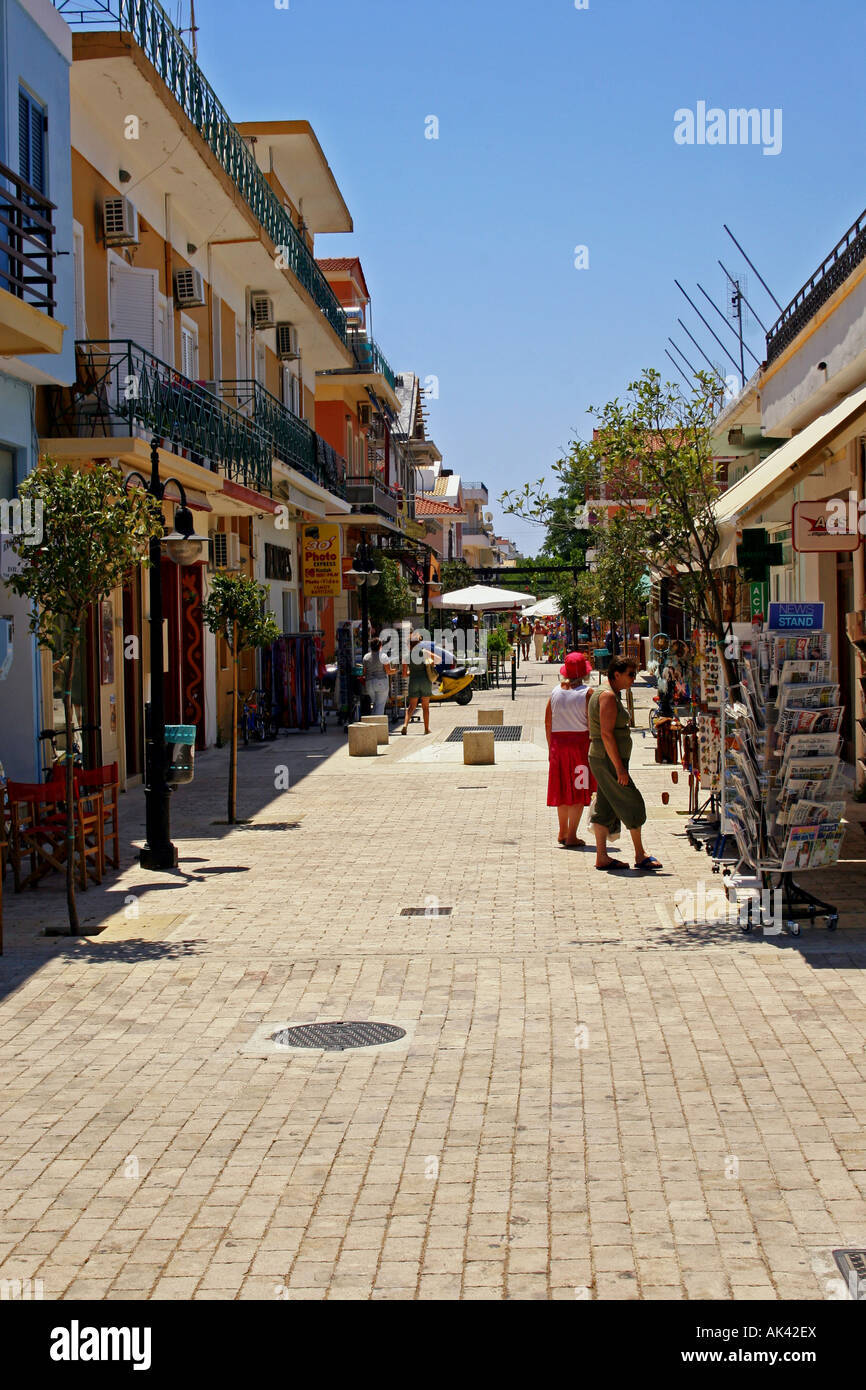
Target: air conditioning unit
[
  {"x": 262, "y": 310},
  {"x": 189, "y": 289},
  {"x": 226, "y": 550},
  {"x": 364, "y": 416},
  {"x": 120, "y": 222},
  {"x": 287, "y": 342}
]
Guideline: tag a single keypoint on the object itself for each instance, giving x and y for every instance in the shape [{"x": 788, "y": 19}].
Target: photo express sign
[{"x": 321, "y": 561}]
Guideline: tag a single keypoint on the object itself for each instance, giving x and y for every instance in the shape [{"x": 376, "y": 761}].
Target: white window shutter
[{"x": 132, "y": 310}]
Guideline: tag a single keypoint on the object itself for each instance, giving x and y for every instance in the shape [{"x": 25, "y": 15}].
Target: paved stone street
[{"x": 593, "y": 1099}]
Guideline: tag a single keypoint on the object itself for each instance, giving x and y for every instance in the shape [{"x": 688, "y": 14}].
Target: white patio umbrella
[
  {"x": 546, "y": 608},
  {"x": 481, "y": 597}
]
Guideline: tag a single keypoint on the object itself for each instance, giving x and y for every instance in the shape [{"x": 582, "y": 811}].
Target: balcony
[
  {"x": 369, "y": 493},
  {"x": 477, "y": 540},
  {"x": 27, "y": 278},
  {"x": 831, "y": 273},
  {"x": 122, "y": 389},
  {"x": 369, "y": 361},
  {"x": 292, "y": 440},
  {"x": 149, "y": 26}
]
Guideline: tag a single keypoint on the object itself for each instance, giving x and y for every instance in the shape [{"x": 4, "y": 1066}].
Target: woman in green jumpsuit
[{"x": 617, "y": 799}]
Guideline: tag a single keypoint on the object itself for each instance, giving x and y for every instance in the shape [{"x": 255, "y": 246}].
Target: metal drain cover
[
  {"x": 852, "y": 1267},
  {"x": 338, "y": 1037},
  {"x": 502, "y": 733}
]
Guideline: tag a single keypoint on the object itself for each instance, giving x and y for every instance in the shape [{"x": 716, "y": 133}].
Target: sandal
[
  {"x": 649, "y": 863},
  {"x": 574, "y": 844},
  {"x": 607, "y": 868}
]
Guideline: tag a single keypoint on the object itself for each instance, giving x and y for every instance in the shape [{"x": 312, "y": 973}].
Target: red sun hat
[{"x": 576, "y": 667}]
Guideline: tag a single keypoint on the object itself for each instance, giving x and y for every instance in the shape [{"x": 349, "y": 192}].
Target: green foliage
[
  {"x": 497, "y": 641},
  {"x": 94, "y": 534},
  {"x": 654, "y": 445},
  {"x": 234, "y": 609},
  {"x": 456, "y": 574},
  {"x": 391, "y": 599}
]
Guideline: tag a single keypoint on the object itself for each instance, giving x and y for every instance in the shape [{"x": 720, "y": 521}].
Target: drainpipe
[{"x": 169, "y": 285}]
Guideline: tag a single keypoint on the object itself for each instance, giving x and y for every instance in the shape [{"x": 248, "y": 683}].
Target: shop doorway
[{"x": 133, "y": 704}]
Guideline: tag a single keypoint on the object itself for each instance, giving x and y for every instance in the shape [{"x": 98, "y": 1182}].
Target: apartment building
[
  {"x": 36, "y": 317},
  {"x": 200, "y": 321}
]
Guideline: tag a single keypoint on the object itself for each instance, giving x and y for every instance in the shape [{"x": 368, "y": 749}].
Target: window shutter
[
  {"x": 31, "y": 141},
  {"x": 132, "y": 310}
]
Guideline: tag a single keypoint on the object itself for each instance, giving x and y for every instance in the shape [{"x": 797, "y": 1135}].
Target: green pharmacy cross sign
[{"x": 755, "y": 555}]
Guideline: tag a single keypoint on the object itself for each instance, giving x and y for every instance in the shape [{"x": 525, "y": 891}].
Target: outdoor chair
[
  {"x": 107, "y": 780},
  {"x": 89, "y": 823},
  {"x": 38, "y": 831}
]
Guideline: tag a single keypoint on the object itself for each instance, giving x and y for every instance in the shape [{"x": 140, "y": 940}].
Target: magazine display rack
[{"x": 781, "y": 797}]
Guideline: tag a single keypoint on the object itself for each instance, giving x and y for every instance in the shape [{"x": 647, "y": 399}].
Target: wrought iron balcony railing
[
  {"x": 368, "y": 358},
  {"x": 121, "y": 387},
  {"x": 153, "y": 31},
  {"x": 26, "y": 242},
  {"x": 831, "y": 273},
  {"x": 291, "y": 438}
]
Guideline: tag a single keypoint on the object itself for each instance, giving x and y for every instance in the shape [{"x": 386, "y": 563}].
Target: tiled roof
[
  {"x": 440, "y": 487},
  {"x": 434, "y": 506},
  {"x": 349, "y": 265}
]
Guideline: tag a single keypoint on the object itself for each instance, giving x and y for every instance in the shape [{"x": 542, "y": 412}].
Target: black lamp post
[
  {"x": 184, "y": 548},
  {"x": 364, "y": 572}
]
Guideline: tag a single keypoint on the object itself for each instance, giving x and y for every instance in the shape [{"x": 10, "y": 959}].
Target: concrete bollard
[
  {"x": 478, "y": 746},
  {"x": 380, "y": 724},
  {"x": 363, "y": 740},
  {"x": 491, "y": 717}
]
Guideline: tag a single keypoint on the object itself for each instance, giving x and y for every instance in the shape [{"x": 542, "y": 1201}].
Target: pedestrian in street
[
  {"x": 376, "y": 673},
  {"x": 525, "y": 634},
  {"x": 419, "y": 681},
  {"x": 612, "y": 640},
  {"x": 538, "y": 639},
  {"x": 570, "y": 783},
  {"x": 617, "y": 799}
]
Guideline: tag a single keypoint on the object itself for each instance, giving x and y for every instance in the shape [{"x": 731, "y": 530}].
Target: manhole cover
[
  {"x": 426, "y": 911},
  {"x": 502, "y": 733},
  {"x": 338, "y": 1037},
  {"x": 852, "y": 1267}
]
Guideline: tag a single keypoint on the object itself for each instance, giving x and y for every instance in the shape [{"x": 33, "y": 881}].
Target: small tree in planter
[
  {"x": 94, "y": 533},
  {"x": 235, "y": 609}
]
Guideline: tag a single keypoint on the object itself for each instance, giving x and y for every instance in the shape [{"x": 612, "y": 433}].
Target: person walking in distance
[
  {"x": 570, "y": 783},
  {"x": 538, "y": 639},
  {"x": 525, "y": 631},
  {"x": 419, "y": 681},
  {"x": 376, "y": 673},
  {"x": 617, "y": 798}
]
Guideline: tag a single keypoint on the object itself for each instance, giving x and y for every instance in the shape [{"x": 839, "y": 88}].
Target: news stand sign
[{"x": 796, "y": 617}]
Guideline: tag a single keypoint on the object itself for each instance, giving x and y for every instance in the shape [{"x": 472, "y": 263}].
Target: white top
[{"x": 568, "y": 710}]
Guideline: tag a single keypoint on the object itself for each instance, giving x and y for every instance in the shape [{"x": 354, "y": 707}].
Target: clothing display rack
[{"x": 291, "y": 676}]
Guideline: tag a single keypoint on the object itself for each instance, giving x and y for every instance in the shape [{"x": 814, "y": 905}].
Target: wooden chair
[
  {"x": 37, "y": 831},
  {"x": 89, "y": 823},
  {"x": 107, "y": 780}
]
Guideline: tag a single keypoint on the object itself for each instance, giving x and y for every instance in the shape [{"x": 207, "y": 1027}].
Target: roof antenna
[
  {"x": 754, "y": 267},
  {"x": 707, "y": 326},
  {"x": 192, "y": 31}
]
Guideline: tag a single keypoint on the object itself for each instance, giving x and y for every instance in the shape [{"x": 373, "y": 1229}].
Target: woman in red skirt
[{"x": 570, "y": 783}]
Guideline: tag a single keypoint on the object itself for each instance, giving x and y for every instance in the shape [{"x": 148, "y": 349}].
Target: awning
[{"x": 778, "y": 473}]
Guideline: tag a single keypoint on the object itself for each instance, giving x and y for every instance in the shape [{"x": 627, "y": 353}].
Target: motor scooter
[{"x": 454, "y": 684}]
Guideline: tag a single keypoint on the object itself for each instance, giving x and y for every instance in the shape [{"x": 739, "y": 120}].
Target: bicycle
[
  {"x": 255, "y": 720},
  {"x": 58, "y": 755}
]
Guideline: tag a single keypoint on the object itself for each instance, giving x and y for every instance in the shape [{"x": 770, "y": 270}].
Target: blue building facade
[{"x": 37, "y": 318}]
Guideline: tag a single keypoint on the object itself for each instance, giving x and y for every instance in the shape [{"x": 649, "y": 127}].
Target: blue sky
[{"x": 556, "y": 129}]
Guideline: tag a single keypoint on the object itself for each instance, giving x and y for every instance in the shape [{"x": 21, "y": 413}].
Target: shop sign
[
  {"x": 757, "y": 600},
  {"x": 796, "y": 617},
  {"x": 811, "y": 533},
  {"x": 321, "y": 564}
]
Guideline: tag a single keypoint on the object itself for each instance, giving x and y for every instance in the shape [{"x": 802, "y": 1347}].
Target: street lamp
[
  {"x": 184, "y": 547},
  {"x": 364, "y": 573}
]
